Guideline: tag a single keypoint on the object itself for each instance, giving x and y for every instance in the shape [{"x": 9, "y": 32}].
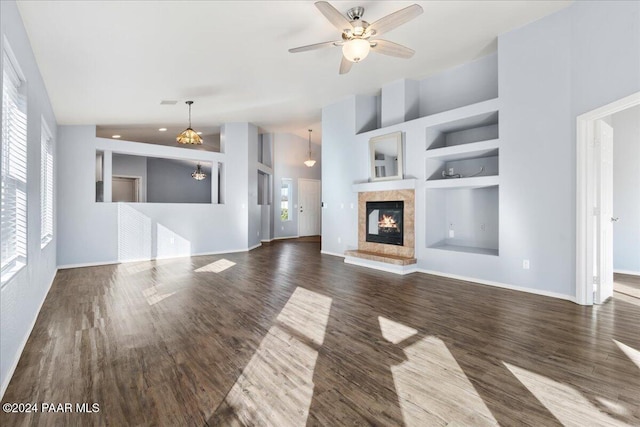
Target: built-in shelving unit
[
  {"x": 462, "y": 179},
  {"x": 463, "y": 183}
]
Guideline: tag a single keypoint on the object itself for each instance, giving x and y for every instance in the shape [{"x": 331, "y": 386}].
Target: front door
[{"x": 308, "y": 207}]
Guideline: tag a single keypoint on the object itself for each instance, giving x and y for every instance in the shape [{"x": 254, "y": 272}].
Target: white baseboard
[
  {"x": 89, "y": 264},
  {"x": 571, "y": 298},
  {"x": 382, "y": 266},
  {"x": 627, "y": 272},
  {"x": 14, "y": 365},
  {"x": 332, "y": 254},
  {"x": 97, "y": 264}
]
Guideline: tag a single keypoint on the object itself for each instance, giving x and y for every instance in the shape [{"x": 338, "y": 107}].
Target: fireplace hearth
[{"x": 385, "y": 222}]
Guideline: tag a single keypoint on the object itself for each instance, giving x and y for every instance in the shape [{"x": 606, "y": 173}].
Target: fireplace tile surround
[{"x": 407, "y": 250}]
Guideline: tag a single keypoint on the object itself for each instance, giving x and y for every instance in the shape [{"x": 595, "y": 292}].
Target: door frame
[
  {"x": 319, "y": 205},
  {"x": 587, "y": 181},
  {"x": 136, "y": 179}
]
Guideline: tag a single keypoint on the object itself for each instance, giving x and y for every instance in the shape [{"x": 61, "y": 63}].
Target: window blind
[
  {"x": 13, "y": 173},
  {"x": 46, "y": 185}
]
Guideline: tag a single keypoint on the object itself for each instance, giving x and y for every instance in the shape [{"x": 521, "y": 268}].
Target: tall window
[
  {"x": 46, "y": 185},
  {"x": 13, "y": 172},
  {"x": 285, "y": 200}
]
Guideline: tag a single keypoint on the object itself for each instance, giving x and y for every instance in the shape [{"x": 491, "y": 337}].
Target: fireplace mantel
[{"x": 396, "y": 184}]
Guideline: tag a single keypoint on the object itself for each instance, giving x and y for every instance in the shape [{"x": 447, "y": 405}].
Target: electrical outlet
[
  {"x": 452, "y": 234},
  {"x": 341, "y": 205},
  {"x": 483, "y": 227},
  {"x": 258, "y": 234},
  {"x": 351, "y": 205},
  {"x": 339, "y": 240},
  {"x": 525, "y": 264},
  {"x": 282, "y": 228},
  {"x": 450, "y": 171}
]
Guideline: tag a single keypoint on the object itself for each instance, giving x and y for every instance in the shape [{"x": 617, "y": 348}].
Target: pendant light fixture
[
  {"x": 198, "y": 174},
  {"x": 189, "y": 136},
  {"x": 309, "y": 162}
]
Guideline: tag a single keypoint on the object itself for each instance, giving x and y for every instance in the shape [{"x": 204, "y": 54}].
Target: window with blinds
[
  {"x": 13, "y": 172},
  {"x": 46, "y": 185}
]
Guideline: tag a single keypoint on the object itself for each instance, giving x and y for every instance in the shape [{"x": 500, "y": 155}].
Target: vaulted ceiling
[{"x": 110, "y": 63}]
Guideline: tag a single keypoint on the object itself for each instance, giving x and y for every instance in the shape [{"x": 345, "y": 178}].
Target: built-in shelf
[
  {"x": 472, "y": 115},
  {"x": 397, "y": 184},
  {"x": 474, "y": 182},
  {"x": 465, "y": 151},
  {"x": 462, "y": 214},
  {"x": 466, "y": 249}
]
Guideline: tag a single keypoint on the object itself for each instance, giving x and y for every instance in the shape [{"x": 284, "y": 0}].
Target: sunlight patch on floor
[
  {"x": 626, "y": 289},
  {"x": 395, "y": 332},
  {"x": 216, "y": 267},
  {"x": 276, "y": 386},
  {"x": 153, "y": 297},
  {"x": 432, "y": 388},
  {"x": 566, "y": 403},
  {"x": 631, "y": 353},
  {"x": 307, "y": 312}
]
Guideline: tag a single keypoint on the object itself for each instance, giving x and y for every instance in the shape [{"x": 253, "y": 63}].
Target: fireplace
[{"x": 384, "y": 222}]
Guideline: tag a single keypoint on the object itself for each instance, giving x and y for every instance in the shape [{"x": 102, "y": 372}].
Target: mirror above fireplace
[{"x": 386, "y": 157}]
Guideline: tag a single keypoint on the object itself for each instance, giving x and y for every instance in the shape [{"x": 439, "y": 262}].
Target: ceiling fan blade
[
  {"x": 336, "y": 18},
  {"x": 386, "y": 47},
  {"x": 345, "y": 65},
  {"x": 394, "y": 20},
  {"x": 314, "y": 46}
]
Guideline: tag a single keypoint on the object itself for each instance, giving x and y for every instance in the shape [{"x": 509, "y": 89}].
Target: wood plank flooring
[{"x": 284, "y": 336}]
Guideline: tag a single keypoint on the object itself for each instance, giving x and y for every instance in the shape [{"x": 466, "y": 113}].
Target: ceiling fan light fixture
[
  {"x": 356, "y": 50},
  {"x": 189, "y": 136}
]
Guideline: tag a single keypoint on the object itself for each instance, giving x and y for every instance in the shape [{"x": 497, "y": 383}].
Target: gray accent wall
[
  {"x": 546, "y": 73},
  {"x": 22, "y": 296},
  {"x": 626, "y": 190},
  {"x": 170, "y": 181}
]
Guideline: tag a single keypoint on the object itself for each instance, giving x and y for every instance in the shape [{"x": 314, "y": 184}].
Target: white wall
[
  {"x": 547, "y": 73},
  {"x": 22, "y": 296},
  {"x": 626, "y": 190},
  {"x": 96, "y": 233},
  {"x": 459, "y": 86},
  {"x": 290, "y": 152}
]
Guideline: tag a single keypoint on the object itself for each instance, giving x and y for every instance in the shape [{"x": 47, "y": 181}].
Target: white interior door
[
  {"x": 308, "y": 207},
  {"x": 604, "y": 260}
]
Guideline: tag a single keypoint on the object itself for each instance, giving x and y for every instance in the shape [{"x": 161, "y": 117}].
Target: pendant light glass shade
[
  {"x": 309, "y": 162},
  {"x": 189, "y": 136},
  {"x": 198, "y": 175}
]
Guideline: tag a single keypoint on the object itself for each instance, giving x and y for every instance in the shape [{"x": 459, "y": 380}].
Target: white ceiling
[{"x": 110, "y": 63}]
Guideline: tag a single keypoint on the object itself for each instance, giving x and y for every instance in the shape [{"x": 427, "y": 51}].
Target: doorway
[
  {"x": 594, "y": 202},
  {"x": 309, "y": 214},
  {"x": 125, "y": 189}
]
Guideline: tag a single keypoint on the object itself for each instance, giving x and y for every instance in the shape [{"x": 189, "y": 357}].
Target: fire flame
[{"x": 387, "y": 221}]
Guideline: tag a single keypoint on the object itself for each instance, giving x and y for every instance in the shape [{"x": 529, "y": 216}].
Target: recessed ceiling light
[
  {"x": 199, "y": 133},
  {"x": 162, "y": 129},
  {"x": 116, "y": 136}
]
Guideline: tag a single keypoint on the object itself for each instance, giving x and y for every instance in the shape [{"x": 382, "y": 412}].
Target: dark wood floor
[{"x": 284, "y": 336}]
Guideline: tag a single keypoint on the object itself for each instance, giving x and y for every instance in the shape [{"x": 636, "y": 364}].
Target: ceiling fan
[{"x": 358, "y": 35}]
